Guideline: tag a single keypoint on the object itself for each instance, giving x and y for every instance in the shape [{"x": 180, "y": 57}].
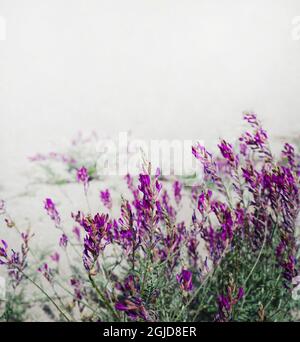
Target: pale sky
[{"x": 163, "y": 69}]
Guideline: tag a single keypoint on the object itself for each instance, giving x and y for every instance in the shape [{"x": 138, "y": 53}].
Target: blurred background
[{"x": 159, "y": 68}]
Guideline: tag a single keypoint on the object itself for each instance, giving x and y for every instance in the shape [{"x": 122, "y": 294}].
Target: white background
[{"x": 163, "y": 69}]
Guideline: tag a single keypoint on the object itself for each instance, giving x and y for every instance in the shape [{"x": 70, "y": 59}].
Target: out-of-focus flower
[
  {"x": 83, "y": 177},
  {"x": 185, "y": 280},
  {"x": 2, "y": 207},
  {"x": 76, "y": 231},
  {"x": 3, "y": 252},
  {"x": 177, "y": 188},
  {"x": 52, "y": 211},
  {"x": 59, "y": 157},
  {"x": 55, "y": 257},
  {"x": 63, "y": 241},
  {"x": 16, "y": 262},
  {"x": 209, "y": 165},
  {"x": 256, "y": 140},
  {"x": 46, "y": 271},
  {"x": 106, "y": 198},
  {"x": 79, "y": 292},
  {"x": 289, "y": 153}
]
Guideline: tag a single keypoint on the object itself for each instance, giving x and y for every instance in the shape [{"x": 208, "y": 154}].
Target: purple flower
[
  {"x": 133, "y": 307},
  {"x": 204, "y": 201},
  {"x": 185, "y": 280},
  {"x": 209, "y": 165},
  {"x": 289, "y": 153},
  {"x": 46, "y": 271},
  {"x": 227, "y": 153},
  {"x": 79, "y": 292},
  {"x": 55, "y": 257},
  {"x": 63, "y": 241},
  {"x": 226, "y": 303},
  {"x": 129, "y": 300},
  {"x": 16, "y": 262},
  {"x": 256, "y": 140},
  {"x": 52, "y": 211},
  {"x": 106, "y": 198},
  {"x": 98, "y": 235},
  {"x": 59, "y": 157},
  {"x": 83, "y": 177},
  {"x": 3, "y": 252},
  {"x": 177, "y": 188},
  {"x": 76, "y": 231}
]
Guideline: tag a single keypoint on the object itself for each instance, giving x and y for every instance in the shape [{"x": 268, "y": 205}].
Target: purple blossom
[
  {"x": 59, "y": 157},
  {"x": 76, "y": 231},
  {"x": 52, "y": 211},
  {"x": 16, "y": 262},
  {"x": 133, "y": 307},
  {"x": 3, "y": 252},
  {"x": 185, "y": 280},
  {"x": 209, "y": 165},
  {"x": 55, "y": 257},
  {"x": 256, "y": 140},
  {"x": 106, "y": 198},
  {"x": 63, "y": 241},
  {"x": 226, "y": 303},
  {"x": 227, "y": 153},
  {"x": 79, "y": 292},
  {"x": 83, "y": 177},
  {"x": 46, "y": 271},
  {"x": 98, "y": 235},
  {"x": 129, "y": 299},
  {"x": 177, "y": 188},
  {"x": 289, "y": 153}
]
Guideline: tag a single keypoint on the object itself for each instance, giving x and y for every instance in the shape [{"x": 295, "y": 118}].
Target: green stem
[{"x": 46, "y": 294}]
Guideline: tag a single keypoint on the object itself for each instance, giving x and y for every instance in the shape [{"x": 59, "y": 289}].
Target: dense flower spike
[
  {"x": 227, "y": 153},
  {"x": 98, "y": 235},
  {"x": 52, "y": 211}
]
